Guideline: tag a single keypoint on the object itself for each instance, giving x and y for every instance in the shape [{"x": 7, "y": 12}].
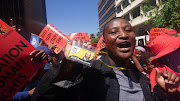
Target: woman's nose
[{"x": 123, "y": 35}]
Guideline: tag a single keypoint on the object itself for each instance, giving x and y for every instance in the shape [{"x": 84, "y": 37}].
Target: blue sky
[{"x": 70, "y": 16}]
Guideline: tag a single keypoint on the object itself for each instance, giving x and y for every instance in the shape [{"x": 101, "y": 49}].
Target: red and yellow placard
[
  {"x": 15, "y": 65},
  {"x": 51, "y": 34},
  {"x": 79, "y": 36}
]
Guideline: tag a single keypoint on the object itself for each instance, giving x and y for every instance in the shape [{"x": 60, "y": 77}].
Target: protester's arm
[
  {"x": 167, "y": 84},
  {"x": 57, "y": 73},
  {"x": 39, "y": 55},
  {"x": 20, "y": 95},
  {"x": 137, "y": 64},
  {"x": 31, "y": 91},
  {"x": 67, "y": 64},
  {"x": 23, "y": 95},
  {"x": 160, "y": 95}
]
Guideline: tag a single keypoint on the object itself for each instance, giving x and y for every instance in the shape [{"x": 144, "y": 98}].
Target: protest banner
[
  {"x": 79, "y": 36},
  {"x": 100, "y": 45},
  {"x": 34, "y": 41},
  {"x": 170, "y": 31},
  {"x": 154, "y": 33},
  {"x": 51, "y": 34},
  {"x": 15, "y": 65}
]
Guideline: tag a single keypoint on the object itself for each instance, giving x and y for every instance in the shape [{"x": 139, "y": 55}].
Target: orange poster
[
  {"x": 100, "y": 45},
  {"x": 15, "y": 65},
  {"x": 51, "y": 34},
  {"x": 79, "y": 36},
  {"x": 171, "y": 31},
  {"x": 154, "y": 33}
]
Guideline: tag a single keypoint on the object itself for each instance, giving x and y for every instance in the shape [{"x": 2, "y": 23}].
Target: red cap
[{"x": 164, "y": 44}]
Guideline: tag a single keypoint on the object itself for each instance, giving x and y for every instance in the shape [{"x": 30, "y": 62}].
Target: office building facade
[
  {"x": 106, "y": 12},
  {"x": 131, "y": 10},
  {"x": 28, "y": 15}
]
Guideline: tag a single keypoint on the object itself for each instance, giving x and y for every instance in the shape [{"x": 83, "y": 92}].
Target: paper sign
[
  {"x": 154, "y": 33},
  {"x": 51, "y": 34},
  {"x": 81, "y": 54},
  {"x": 79, "y": 36},
  {"x": 34, "y": 41},
  {"x": 100, "y": 45},
  {"x": 171, "y": 31},
  {"x": 15, "y": 65}
]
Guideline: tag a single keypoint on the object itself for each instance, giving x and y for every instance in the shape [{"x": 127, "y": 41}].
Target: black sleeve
[
  {"x": 159, "y": 95},
  {"x": 46, "y": 80},
  {"x": 55, "y": 93},
  {"x": 47, "y": 91}
]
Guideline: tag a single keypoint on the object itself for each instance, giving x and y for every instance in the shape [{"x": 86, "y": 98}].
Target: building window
[
  {"x": 126, "y": 17},
  {"x": 109, "y": 13},
  {"x": 125, "y": 3},
  {"x": 136, "y": 12},
  {"x": 105, "y": 8},
  {"x": 119, "y": 9},
  {"x": 100, "y": 6}
]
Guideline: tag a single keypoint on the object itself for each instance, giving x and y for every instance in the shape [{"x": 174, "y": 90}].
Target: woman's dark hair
[{"x": 144, "y": 59}]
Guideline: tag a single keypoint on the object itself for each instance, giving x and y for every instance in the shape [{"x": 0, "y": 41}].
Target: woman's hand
[
  {"x": 168, "y": 81},
  {"x": 38, "y": 55}
]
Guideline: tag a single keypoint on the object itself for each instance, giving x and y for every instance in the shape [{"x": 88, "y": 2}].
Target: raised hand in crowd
[
  {"x": 168, "y": 81},
  {"x": 136, "y": 62},
  {"x": 68, "y": 64},
  {"x": 14, "y": 26},
  {"x": 31, "y": 91},
  {"x": 38, "y": 55}
]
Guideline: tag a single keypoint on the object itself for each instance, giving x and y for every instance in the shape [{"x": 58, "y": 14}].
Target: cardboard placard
[
  {"x": 15, "y": 65},
  {"x": 171, "y": 31},
  {"x": 51, "y": 34},
  {"x": 154, "y": 33},
  {"x": 82, "y": 54},
  {"x": 79, "y": 36},
  {"x": 100, "y": 45}
]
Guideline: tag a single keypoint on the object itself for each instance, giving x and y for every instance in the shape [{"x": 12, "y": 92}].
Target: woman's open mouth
[{"x": 124, "y": 47}]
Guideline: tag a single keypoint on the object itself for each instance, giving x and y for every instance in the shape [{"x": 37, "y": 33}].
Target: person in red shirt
[{"x": 166, "y": 49}]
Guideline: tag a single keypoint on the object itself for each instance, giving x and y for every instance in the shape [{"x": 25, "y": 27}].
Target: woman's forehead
[{"x": 116, "y": 23}]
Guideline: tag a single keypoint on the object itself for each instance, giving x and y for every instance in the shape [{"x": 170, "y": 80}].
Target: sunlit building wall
[
  {"x": 131, "y": 10},
  {"x": 106, "y": 12}
]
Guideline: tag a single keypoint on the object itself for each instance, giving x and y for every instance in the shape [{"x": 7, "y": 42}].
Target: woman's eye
[
  {"x": 128, "y": 30},
  {"x": 113, "y": 32}
]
